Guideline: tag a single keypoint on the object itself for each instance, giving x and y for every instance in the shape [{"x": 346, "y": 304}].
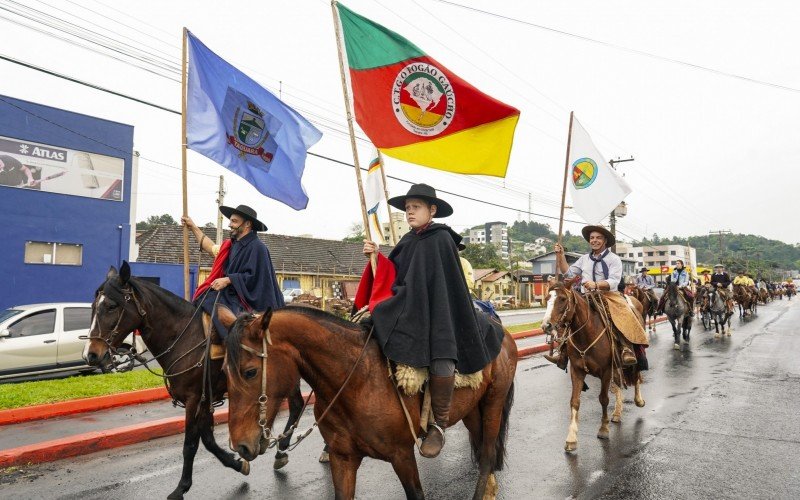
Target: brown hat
[
  {"x": 246, "y": 212},
  {"x": 610, "y": 240}
]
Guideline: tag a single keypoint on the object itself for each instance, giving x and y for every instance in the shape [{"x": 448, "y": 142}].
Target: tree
[
  {"x": 156, "y": 220},
  {"x": 211, "y": 225},
  {"x": 483, "y": 256},
  {"x": 356, "y": 233}
]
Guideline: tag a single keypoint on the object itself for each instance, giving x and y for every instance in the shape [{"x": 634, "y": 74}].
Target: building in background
[
  {"x": 661, "y": 257},
  {"x": 493, "y": 233},
  {"x": 66, "y": 202},
  {"x": 324, "y": 268},
  {"x": 401, "y": 227}
]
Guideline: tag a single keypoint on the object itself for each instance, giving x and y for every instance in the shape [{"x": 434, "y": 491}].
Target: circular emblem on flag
[
  {"x": 423, "y": 100},
  {"x": 584, "y": 172}
]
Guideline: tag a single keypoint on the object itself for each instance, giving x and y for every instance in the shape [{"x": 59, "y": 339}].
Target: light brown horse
[
  {"x": 590, "y": 350},
  {"x": 268, "y": 354}
]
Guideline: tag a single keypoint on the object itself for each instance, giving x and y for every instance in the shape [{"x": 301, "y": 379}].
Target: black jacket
[
  {"x": 723, "y": 279},
  {"x": 431, "y": 316}
]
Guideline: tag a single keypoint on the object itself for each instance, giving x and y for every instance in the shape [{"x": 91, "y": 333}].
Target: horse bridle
[
  {"x": 262, "y": 399},
  {"x": 266, "y": 433},
  {"x": 128, "y": 294}
]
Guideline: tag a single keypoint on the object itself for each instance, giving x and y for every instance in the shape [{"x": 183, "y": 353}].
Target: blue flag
[{"x": 239, "y": 124}]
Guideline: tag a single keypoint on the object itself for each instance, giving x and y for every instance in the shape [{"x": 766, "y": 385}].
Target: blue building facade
[{"x": 66, "y": 216}]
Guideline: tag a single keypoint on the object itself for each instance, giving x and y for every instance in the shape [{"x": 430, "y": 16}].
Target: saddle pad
[
  {"x": 625, "y": 318},
  {"x": 411, "y": 379}
]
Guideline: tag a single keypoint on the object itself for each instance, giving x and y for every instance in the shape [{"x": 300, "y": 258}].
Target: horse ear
[
  {"x": 265, "y": 319},
  {"x": 225, "y": 316},
  {"x": 112, "y": 273},
  {"x": 124, "y": 273}
]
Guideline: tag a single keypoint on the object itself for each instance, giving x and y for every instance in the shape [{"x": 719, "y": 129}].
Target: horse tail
[{"x": 502, "y": 435}]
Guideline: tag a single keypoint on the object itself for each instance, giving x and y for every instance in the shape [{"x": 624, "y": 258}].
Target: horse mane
[
  {"x": 332, "y": 321},
  {"x": 237, "y": 331}
]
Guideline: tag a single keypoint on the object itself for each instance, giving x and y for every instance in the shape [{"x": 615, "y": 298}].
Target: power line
[{"x": 623, "y": 48}]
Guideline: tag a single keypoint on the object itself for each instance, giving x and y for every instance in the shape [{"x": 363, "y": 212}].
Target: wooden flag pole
[
  {"x": 364, "y": 216},
  {"x": 386, "y": 197},
  {"x": 564, "y": 186},
  {"x": 184, "y": 173},
  {"x": 563, "y": 201}
]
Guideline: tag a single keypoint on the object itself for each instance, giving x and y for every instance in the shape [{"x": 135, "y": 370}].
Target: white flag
[
  {"x": 374, "y": 194},
  {"x": 594, "y": 186}
]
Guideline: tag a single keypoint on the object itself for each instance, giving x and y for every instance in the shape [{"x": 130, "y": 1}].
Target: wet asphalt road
[{"x": 721, "y": 421}]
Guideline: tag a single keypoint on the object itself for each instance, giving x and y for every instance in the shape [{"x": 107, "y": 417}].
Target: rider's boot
[
  {"x": 441, "y": 394},
  {"x": 628, "y": 357},
  {"x": 560, "y": 358}
]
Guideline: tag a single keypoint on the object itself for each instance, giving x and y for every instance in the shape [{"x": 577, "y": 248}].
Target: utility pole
[
  {"x": 621, "y": 210},
  {"x": 220, "y": 201},
  {"x": 720, "y": 233},
  {"x": 530, "y": 206}
]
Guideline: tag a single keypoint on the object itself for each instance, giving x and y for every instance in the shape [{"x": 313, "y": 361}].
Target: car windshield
[{"x": 8, "y": 313}]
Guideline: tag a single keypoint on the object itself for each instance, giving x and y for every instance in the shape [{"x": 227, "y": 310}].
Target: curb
[
  {"x": 90, "y": 442},
  {"x": 70, "y": 407},
  {"x": 527, "y": 334}
]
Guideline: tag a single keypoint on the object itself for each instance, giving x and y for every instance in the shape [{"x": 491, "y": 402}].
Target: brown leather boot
[
  {"x": 441, "y": 396},
  {"x": 560, "y": 359},
  {"x": 628, "y": 357}
]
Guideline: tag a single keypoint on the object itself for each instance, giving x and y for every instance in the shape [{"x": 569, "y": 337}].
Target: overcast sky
[{"x": 711, "y": 151}]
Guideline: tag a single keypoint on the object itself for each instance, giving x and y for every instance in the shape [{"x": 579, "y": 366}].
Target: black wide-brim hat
[
  {"x": 642, "y": 270},
  {"x": 246, "y": 212},
  {"x": 423, "y": 192},
  {"x": 610, "y": 240}
]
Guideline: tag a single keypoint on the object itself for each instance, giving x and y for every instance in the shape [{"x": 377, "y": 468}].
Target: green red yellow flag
[{"x": 414, "y": 109}]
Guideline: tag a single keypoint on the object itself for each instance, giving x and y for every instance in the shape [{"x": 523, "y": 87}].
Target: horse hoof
[
  {"x": 602, "y": 435},
  {"x": 175, "y": 496},
  {"x": 324, "y": 457},
  {"x": 639, "y": 403},
  {"x": 280, "y": 462},
  {"x": 717, "y": 335},
  {"x": 728, "y": 334},
  {"x": 677, "y": 347},
  {"x": 616, "y": 419},
  {"x": 571, "y": 446}
]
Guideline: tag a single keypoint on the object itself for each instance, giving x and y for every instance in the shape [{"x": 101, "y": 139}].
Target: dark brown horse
[
  {"x": 649, "y": 305},
  {"x": 367, "y": 419},
  {"x": 590, "y": 347},
  {"x": 172, "y": 330}
]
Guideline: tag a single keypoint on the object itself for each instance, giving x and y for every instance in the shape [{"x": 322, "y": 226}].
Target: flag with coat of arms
[
  {"x": 239, "y": 124},
  {"x": 595, "y": 188}
]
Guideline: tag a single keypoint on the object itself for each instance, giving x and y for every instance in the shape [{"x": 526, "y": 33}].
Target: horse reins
[{"x": 262, "y": 399}]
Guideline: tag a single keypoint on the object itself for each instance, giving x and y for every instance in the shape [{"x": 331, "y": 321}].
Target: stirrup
[
  {"x": 631, "y": 360},
  {"x": 441, "y": 433}
]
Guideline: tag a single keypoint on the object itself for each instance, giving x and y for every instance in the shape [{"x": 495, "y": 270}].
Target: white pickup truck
[{"x": 40, "y": 339}]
